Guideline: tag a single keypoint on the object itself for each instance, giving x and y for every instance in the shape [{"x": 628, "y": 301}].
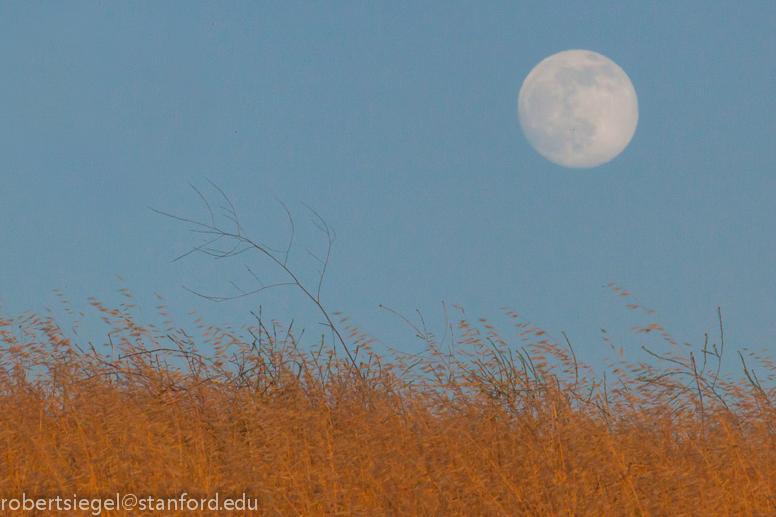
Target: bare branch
[
  {"x": 242, "y": 243},
  {"x": 212, "y": 218},
  {"x": 290, "y": 240}
]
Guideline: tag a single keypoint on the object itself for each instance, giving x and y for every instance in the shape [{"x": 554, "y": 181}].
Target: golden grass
[{"x": 475, "y": 427}]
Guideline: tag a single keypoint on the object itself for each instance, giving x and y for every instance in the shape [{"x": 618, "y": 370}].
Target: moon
[{"x": 578, "y": 109}]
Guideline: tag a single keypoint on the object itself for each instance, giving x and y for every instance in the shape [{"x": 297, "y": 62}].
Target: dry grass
[{"x": 474, "y": 427}]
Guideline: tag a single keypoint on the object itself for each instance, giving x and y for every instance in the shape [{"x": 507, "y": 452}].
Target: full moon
[{"x": 578, "y": 109}]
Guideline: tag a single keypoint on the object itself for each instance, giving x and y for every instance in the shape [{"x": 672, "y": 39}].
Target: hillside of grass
[{"x": 472, "y": 426}]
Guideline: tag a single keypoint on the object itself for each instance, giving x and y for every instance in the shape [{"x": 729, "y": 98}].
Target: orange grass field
[{"x": 472, "y": 427}]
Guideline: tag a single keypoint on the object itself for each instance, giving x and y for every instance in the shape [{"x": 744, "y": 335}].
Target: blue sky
[{"x": 397, "y": 122}]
